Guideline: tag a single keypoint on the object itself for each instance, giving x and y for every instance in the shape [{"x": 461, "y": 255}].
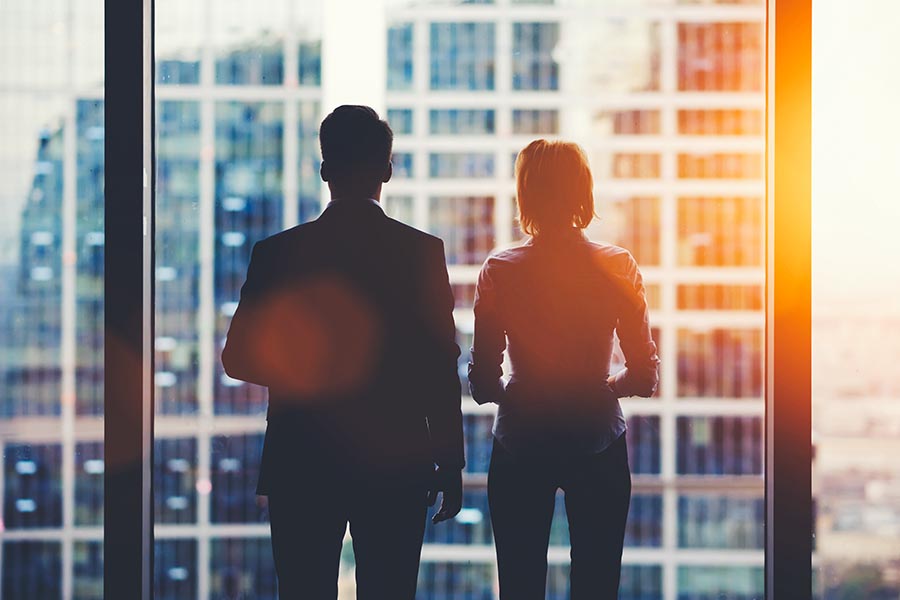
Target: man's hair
[
  {"x": 356, "y": 144},
  {"x": 554, "y": 187}
]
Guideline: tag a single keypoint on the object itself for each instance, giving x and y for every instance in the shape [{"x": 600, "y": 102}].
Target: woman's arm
[
  {"x": 485, "y": 366},
  {"x": 640, "y": 376}
]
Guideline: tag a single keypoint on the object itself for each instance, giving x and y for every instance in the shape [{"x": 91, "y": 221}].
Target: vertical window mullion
[
  {"x": 128, "y": 288},
  {"x": 788, "y": 313}
]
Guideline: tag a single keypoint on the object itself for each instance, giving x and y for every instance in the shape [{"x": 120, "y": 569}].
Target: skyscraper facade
[{"x": 666, "y": 97}]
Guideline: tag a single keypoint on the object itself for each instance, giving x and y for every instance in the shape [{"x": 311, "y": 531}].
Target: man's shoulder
[
  {"x": 284, "y": 237},
  {"x": 409, "y": 234}
]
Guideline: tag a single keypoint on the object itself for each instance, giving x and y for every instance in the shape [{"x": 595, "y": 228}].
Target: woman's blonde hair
[{"x": 554, "y": 187}]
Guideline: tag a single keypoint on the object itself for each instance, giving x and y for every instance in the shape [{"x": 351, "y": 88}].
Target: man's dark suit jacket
[{"x": 348, "y": 321}]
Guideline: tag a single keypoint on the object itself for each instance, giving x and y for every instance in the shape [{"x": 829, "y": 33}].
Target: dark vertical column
[
  {"x": 128, "y": 426},
  {"x": 788, "y": 346}
]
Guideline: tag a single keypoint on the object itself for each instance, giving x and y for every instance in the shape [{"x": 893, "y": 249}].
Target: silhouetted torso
[
  {"x": 556, "y": 302},
  {"x": 348, "y": 321}
]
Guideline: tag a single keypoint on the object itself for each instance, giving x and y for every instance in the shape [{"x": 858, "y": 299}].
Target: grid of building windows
[
  {"x": 669, "y": 110},
  {"x": 668, "y": 103}
]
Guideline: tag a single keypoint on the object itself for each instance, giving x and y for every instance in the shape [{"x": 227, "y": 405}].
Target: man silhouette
[{"x": 348, "y": 321}]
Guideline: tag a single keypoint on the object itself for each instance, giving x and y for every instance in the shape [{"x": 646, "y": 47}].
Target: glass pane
[
  {"x": 667, "y": 101},
  {"x": 855, "y": 306},
  {"x": 678, "y": 181},
  {"x": 51, "y": 298},
  {"x": 462, "y": 56},
  {"x": 237, "y": 115}
]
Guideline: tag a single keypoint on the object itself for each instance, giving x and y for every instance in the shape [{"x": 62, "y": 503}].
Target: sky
[{"x": 856, "y": 155}]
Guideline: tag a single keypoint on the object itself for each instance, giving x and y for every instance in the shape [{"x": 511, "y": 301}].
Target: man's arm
[
  {"x": 443, "y": 404},
  {"x": 444, "y": 394},
  {"x": 240, "y": 352}
]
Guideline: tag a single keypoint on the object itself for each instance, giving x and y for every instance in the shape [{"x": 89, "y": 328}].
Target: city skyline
[{"x": 670, "y": 143}]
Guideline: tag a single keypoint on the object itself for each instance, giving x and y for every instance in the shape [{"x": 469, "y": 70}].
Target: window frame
[
  {"x": 128, "y": 288},
  {"x": 128, "y": 296},
  {"x": 788, "y": 457}
]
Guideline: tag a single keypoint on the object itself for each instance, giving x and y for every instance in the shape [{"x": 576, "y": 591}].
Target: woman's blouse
[{"x": 554, "y": 303}]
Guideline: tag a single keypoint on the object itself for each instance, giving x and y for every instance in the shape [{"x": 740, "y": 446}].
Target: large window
[
  {"x": 237, "y": 160},
  {"x": 679, "y": 183},
  {"x": 856, "y": 386},
  {"x": 668, "y": 100},
  {"x": 51, "y": 298}
]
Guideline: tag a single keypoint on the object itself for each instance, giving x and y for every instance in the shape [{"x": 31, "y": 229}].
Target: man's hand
[{"x": 450, "y": 484}]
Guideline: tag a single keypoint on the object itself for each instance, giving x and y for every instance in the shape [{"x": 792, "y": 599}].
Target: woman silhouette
[{"x": 554, "y": 303}]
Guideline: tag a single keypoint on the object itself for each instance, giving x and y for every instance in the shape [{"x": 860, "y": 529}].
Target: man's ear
[
  {"x": 323, "y": 171},
  {"x": 388, "y": 173}
]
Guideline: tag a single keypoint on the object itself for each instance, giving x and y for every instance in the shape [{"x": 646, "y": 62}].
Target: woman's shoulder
[
  {"x": 612, "y": 258},
  {"x": 610, "y": 251},
  {"x": 502, "y": 264},
  {"x": 506, "y": 256}
]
